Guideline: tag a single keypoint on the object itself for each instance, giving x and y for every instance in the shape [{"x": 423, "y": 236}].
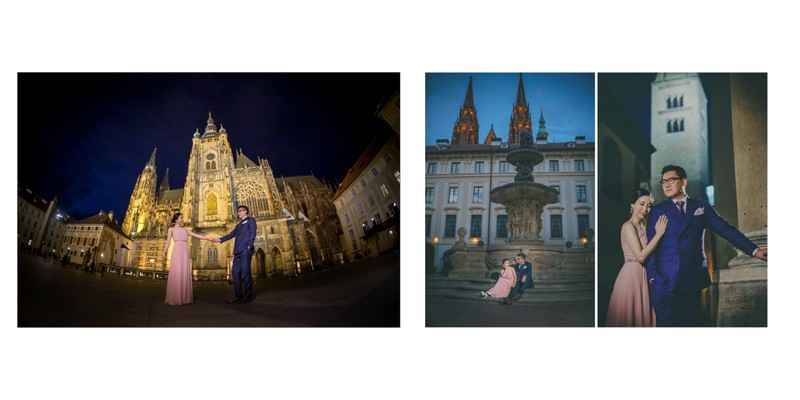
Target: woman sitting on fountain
[{"x": 508, "y": 278}]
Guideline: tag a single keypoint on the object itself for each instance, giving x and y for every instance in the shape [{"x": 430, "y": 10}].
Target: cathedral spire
[
  {"x": 490, "y": 136},
  {"x": 164, "y": 183},
  {"x": 541, "y": 136},
  {"x": 153, "y": 157},
  {"x": 520, "y": 115},
  {"x": 521, "y": 91},
  {"x": 210, "y": 127},
  {"x": 465, "y": 130}
]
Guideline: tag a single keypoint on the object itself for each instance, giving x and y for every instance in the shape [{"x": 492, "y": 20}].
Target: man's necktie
[{"x": 679, "y": 203}]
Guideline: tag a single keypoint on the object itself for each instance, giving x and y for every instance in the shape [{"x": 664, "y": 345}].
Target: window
[
  {"x": 384, "y": 191},
  {"x": 554, "y": 165},
  {"x": 477, "y": 194},
  {"x": 428, "y": 219},
  {"x": 558, "y": 190},
  {"x": 376, "y": 220},
  {"x": 371, "y": 201},
  {"x": 503, "y": 166},
  {"x": 374, "y": 172},
  {"x": 502, "y": 226},
  {"x": 211, "y": 204},
  {"x": 353, "y": 240},
  {"x": 579, "y": 165},
  {"x": 453, "y": 197},
  {"x": 363, "y": 183},
  {"x": 669, "y": 126},
  {"x": 583, "y": 224},
  {"x": 475, "y": 226},
  {"x": 429, "y": 195},
  {"x": 387, "y": 158},
  {"x": 353, "y": 192},
  {"x": 360, "y": 208},
  {"x": 397, "y": 176},
  {"x": 213, "y": 254},
  {"x": 555, "y": 227},
  {"x": 478, "y": 167},
  {"x": 455, "y": 167},
  {"x": 581, "y": 193},
  {"x": 346, "y": 218},
  {"x": 450, "y": 226},
  {"x": 431, "y": 168}
]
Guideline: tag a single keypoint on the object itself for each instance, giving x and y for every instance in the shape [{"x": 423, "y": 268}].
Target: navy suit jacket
[
  {"x": 245, "y": 234},
  {"x": 526, "y": 269},
  {"x": 677, "y": 262}
]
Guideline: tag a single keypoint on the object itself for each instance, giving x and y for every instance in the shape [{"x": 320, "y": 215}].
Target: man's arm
[
  {"x": 230, "y": 235},
  {"x": 721, "y": 227}
]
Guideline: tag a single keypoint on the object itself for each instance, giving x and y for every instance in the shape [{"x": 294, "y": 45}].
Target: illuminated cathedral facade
[{"x": 297, "y": 226}]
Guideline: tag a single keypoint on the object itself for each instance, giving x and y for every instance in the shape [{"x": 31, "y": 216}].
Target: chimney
[{"x": 580, "y": 139}]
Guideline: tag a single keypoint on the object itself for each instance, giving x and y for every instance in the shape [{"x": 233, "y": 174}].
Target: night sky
[
  {"x": 86, "y": 137},
  {"x": 567, "y": 100}
]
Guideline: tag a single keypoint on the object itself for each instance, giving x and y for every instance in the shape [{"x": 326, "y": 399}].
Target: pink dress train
[
  {"x": 630, "y": 300},
  {"x": 504, "y": 284},
  {"x": 179, "y": 281}
]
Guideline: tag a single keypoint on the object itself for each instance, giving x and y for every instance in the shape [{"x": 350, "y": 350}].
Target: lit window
[
  {"x": 384, "y": 191},
  {"x": 453, "y": 197},
  {"x": 477, "y": 194}
]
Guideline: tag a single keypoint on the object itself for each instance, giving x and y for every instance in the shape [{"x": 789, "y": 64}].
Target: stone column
[{"x": 743, "y": 282}]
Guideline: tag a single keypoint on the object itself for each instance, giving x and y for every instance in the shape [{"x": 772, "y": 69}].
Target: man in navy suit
[
  {"x": 676, "y": 271},
  {"x": 245, "y": 234},
  {"x": 524, "y": 271}
]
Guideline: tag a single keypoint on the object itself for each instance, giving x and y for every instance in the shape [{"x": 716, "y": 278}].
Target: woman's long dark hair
[{"x": 175, "y": 217}]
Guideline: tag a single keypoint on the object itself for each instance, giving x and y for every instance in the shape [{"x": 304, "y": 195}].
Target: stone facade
[{"x": 295, "y": 232}]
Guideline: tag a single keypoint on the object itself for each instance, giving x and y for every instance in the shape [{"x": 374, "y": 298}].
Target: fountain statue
[{"x": 524, "y": 199}]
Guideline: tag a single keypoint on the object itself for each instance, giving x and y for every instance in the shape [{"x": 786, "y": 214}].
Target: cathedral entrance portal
[
  {"x": 275, "y": 256},
  {"x": 261, "y": 261}
]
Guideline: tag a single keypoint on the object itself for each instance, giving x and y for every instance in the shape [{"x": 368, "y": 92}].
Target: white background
[{"x": 432, "y": 36}]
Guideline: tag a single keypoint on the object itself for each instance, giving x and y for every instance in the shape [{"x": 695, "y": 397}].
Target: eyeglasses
[{"x": 669, "y": 180}]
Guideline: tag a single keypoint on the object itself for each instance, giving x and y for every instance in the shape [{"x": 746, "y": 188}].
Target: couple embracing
[{"x": 661, "y": 281}]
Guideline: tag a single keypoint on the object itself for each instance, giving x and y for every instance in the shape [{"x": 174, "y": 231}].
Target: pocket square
[{"x": 699, "y": 211}]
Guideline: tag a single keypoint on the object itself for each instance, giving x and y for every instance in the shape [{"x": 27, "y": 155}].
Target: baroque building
[
  {"x": 460, "y": 176},
  {"x": 295, "y": 232},
  {"x": 40, "y": 225},
  {"x": 368, "y": 200}
]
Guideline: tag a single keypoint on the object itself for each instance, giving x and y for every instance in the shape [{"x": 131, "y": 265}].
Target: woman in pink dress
[
  {"x": 179, "y": 282},
  {"x": 630, "y": 300},
  {"x": 508, "y": 278}
]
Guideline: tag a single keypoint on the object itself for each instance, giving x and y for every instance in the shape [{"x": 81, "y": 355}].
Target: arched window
[
  {"x": 674, "y": 102},
  {"x": 681, "y": 124},
  {"x": 681, "y": 101},
  {"x": 254, "y": 196},
  {"x": 675, "y": 125},
  {"x": 211, "y": 204},
  {"x": 669, "y": 126},
  {"x": 669, "y": 103},
  {"x": 213, "y": 254},
  {"x": 213, "y": 165},
  {"x": 208, "y": 165}
]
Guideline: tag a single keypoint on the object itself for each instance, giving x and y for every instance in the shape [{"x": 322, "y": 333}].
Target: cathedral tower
[
  {"x": 541, "y": 136},
  {"x": 679, "y": 130},
  {"x": 520, "y": 115},
  {"x": 142, "y": 200},
  {"x": 465, "y": 130},
  {"x": 208, "y": 196}
]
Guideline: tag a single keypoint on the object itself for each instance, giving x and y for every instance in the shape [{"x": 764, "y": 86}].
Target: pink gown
[
  {"x": 179, "y": 281},
  {"x": 630, "y": 300},
  {"x": 504, "y": 284}
]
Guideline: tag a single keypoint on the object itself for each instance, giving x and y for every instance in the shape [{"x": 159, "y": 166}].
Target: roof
[
  {"x": 468, "y": 148},
  {"x": 100, "y": 218},
  {"x": 170, "y": 196},
  {"x": 31, "y": 197},
  {"x": 381, "y": 139}
]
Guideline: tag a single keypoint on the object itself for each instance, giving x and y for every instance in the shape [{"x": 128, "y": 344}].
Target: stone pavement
[
  {"x": 442, "y": 311},
  {"x": 364, "y": 294}
]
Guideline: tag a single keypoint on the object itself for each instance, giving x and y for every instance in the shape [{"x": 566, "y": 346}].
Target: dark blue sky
[
  {"x": 86, "y": 137},
  {"x": 566, "y": 98}
]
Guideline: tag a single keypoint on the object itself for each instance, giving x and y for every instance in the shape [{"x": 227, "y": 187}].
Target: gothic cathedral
[{"x": 297, "y": 226}]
